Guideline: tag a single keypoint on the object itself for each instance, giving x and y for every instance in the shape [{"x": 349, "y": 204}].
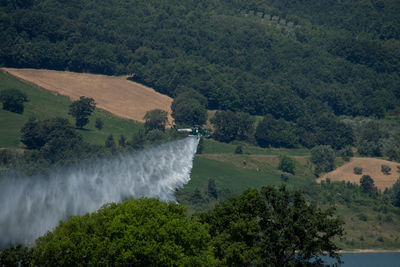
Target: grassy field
[
  {"x": 43, "y": 104},
  {"x": 214, "y": 147}
]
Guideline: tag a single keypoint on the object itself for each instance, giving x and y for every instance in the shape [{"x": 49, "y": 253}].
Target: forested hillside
[{"x": 284, "y": 58}]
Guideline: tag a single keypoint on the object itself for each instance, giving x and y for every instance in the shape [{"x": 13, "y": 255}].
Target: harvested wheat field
[
  {"x": 370, "y": 166},
  {"x": 117, "y": 95}
]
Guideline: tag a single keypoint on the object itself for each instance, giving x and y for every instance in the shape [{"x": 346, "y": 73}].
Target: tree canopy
[
  {"x": 155, "y": 119},
  {"x": 81, "y": 110},
  {"x": 13, "y": 100},
  {"x": 272, "y": 227},
  {"x": 260, "y": 57},
  {"x": 145, "y": 232}
]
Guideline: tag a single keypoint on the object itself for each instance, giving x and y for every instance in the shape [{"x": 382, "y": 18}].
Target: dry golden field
[
  {"x": 370, "y": 166},
  {"x": 117, "y": 95}
]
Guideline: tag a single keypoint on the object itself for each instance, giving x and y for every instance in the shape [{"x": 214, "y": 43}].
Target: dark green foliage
[
  {"x": 393, "y": 154},
  {"x": 367, "y": 184},
  {"x": 232, "y": 125},
  {"x": 212, "y": 188},
  {"x": 81, "y": 110},
  {"x": 239, "y": 149},
  {"x": 138, "y": 140},
  {"x": 49, "y": 135},
  {"x": 225, "y": 125},
  {"x": 324, "y": 129},
  {"x": 189, "y": 108},
  {"x": 275, "y": 227},
  {"x": 99, "y": 124},
  {"x": 385, "y": 169},
  {"x": 357, "y": 170},
  {"x": 155, "y": 119},
  {"x": 200, "y": 146},
  {"x": 146, "y": 232},
  {"x": 396, "y": 201},
  {"x": 394, "y": 193},
  {"x": 190, "y": 113},
  {"x": 16, "y": 256},
  {"x": 156, "y": 136},
  {"x": 245, "y": 125},
  {"x": 196, "y": 197},
  {"x": 122, "y": 141},
  {"x": 275, "y": 133},
  {"x": 349, "y": 64},
  {"x": 369, "y": 143},
  {"x": 346, "y": 153},
  {"x": 286, "y": 164},
  {"x": 323, "y": 157},
  {"x": 110, "y": 143},
  {"x": 284, "y": 177},
  {"x": 13, "y": 100}
]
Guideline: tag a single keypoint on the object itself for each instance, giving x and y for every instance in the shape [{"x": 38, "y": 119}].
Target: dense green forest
[{"x": 341, "y": 60}]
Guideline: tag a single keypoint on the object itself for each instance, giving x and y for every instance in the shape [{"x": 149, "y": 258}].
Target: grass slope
[
  {"x": 43, "y": 104},
  {"x": 214, "y": 147}
]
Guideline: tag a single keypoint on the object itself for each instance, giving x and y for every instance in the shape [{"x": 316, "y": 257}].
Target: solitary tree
[
  {"x": 357, "y": 170},
  {"x": 385, "y": 169},
  {"x": 81, "y": 110},
  {"x": 286, "y": 164},
  {"x": 13, "y": 100}
]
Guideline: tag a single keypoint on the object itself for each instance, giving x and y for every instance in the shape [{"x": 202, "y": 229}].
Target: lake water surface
[{"x": 387, "y": 259}]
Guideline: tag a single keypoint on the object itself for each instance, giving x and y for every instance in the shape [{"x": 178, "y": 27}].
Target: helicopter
[{"x": 196, "y": 131}]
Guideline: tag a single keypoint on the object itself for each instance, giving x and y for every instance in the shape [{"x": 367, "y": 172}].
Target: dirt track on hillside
[
  {"x": 117, "y": 95},
  {"x": 370, "y": 166}
]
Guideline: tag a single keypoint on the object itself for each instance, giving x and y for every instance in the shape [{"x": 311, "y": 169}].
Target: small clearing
[
  {"x": 370, "y": 166},
  {"x": 116, "y": 95}
]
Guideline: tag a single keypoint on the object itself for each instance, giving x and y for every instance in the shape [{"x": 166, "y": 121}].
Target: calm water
[{"x": 371, "y": 259}]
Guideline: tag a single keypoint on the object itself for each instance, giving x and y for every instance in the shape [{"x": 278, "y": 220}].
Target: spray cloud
[{"x": 31, "y": 206}]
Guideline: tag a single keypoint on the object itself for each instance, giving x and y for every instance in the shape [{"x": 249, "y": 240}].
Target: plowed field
[{"x": 117, "y": 95}]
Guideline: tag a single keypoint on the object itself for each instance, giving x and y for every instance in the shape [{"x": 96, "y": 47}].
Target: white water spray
[{"x": 31, "y": 206}]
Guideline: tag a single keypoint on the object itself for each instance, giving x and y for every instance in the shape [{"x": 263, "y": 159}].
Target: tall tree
[
  {"x": 273, "y": 227},
  {"x": 81, "y": 110},
  {"x": 13, "y": 100}
]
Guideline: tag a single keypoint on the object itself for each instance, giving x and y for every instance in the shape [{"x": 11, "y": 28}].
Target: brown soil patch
[
  {"x": 370, "y": 166},
  {"x": 117, "y": 95}
]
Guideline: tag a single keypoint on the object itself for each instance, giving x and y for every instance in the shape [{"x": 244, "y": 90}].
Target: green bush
[
  {"x": 13, "y": 100},
  {"x": 385, "y": 169},
  {"x": 239, "y": 149},
  {"x": 358, "y": 170},
  {"x": 286, "y": 164}
]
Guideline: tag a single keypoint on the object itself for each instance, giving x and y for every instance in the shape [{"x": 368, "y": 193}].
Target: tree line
[{"x": 273, "y": 226}]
